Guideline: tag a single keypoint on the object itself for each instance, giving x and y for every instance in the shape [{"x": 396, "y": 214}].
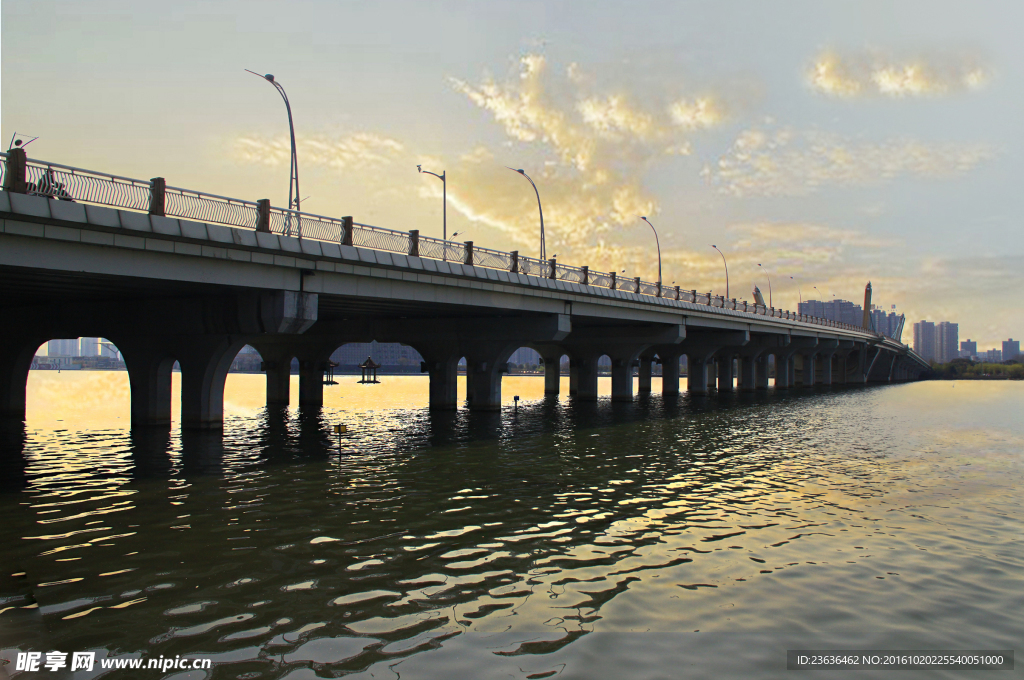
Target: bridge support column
[
  {"x": 761, "y": 372},
  {"x": 622, "y": 378},
  {"x": 748, "y": 372},
  {"x": 311, "y": 382},
  {"x": 204, "y": 367},
  {"x": 15, "y": 362},
  {"x": 149, "y": 378},
  {"x": 725, "y": 373},
  {"x": 277, "y": 364},
  {"x": 443, "y": 372},
  {"x": 669, "y": 374},
  {"x": 697, "y": 375},
  {"x": 583, "y": 377},
  {"x": 826, "y": 369},
  {"x": 643, "y": 376},
  {"x": 552, "y": 374},
  {"x": 483, "y": 384},
  {"x": 782, "y": 371},
  {"x": 808, "y": 376}
]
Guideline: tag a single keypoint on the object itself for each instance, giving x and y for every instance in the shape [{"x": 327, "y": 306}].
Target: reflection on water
[{"x": 584, "y": 540}]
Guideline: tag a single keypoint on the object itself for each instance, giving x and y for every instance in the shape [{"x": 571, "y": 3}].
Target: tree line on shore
[{"x": 965, "y": 369}]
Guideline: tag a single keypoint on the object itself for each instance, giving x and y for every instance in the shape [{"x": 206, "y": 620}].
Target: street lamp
[
  {"x": 769, "y": 283},
  {"x": 293, "y": 179},
  {"x": 726, "y": 270},
  {"x": 444, "y": 203},
  {"x": 798, "y": 291},
  {"x": 659, "y": 251},
  {"x": 541, "y": 210}
]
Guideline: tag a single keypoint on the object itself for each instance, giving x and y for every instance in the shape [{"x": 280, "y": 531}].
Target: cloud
[
  {"x": 358, "y": 150},
  {"x": 880, "y": 75},
  {"x": 784, "y": 162},
  {"x": 600, "y": 145}
]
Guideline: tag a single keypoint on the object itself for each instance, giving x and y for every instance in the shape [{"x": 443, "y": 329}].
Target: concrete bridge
[{"x": 171, "y": 275}]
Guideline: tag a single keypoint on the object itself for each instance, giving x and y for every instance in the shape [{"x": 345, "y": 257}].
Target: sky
[{"x": 832, "y": 143}]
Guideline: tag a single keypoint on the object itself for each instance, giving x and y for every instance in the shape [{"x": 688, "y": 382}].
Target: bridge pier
[
  {"x": 643, "y": 375},
  {"x": 277, "y": 364},
  {"x": 761, "y": 372},
  {"x": 483, "y": 383},
  {"x": 442, "y": 371},
  {"x": 725, "y": 372},
  {"x": 16, "y": 354},
  {"x": 622, "y": 376},
  {"x": 783, "y": 370},
  {"x": 748, "y": 371},
  {"x": 810, "y": 361},
  {"x": 149, "y": 378},
  {"x": 669, "y": 373},
  {"x": 204, "y": 365},
  {"x": 583, "y": 377},
  {"x": 697, "y": 374},
  {"x": 552, "y": 374}
]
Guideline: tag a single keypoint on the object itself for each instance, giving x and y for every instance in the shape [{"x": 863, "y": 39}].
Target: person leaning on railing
[{"x": 49, "y": 186}]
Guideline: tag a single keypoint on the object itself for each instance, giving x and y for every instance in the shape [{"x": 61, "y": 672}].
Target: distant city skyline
[{"x": 834, "y": 144}]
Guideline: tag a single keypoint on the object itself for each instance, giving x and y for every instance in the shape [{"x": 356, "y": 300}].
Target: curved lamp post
[
  {"x": 444, "y": 204},
  {"x": 769, "y": 283},
  {"x": 659, "y": 251},
  {"x": 726, "y": 270},
  {"x": 293, "y": 179},
  {"x": 798, "y": 291},
  {"x": 541, "y": 210}
]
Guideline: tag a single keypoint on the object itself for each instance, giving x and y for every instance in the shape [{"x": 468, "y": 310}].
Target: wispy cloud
[
  {"x": 784, "y": 162},
  {"x": 601, "y": 144},
  {"x": 881, "y": 75},
  {"x": 358, "y": 150}
]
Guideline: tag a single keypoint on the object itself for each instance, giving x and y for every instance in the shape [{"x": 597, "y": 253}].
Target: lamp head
[
  {"x": 269, "y": 77},
  {"x": 420, "y": 168}
]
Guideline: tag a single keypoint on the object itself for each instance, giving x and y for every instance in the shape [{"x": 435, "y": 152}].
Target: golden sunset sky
[{"x": 834, "y": 143}]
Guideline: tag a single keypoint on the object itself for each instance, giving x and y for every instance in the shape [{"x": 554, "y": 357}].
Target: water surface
[{"x": 682, "y": 538}]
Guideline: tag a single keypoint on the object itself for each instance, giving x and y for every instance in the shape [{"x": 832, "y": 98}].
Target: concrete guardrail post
[
  {"x": 346, "y": 226},
  {"x": 514, "y": 262},
  {"x": 263, "y": 215},
  {"x": 16, "y": 171},
  {"x": 586, "y": 275},
  {"x": 469, "y": 253},
  {"x": 157, "y": 196},
  {"x": 414, "y": 243},
  {"x": 553, "y": 271}
]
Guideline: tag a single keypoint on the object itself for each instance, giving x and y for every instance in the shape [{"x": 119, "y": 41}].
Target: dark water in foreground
[{"x": 698, "y": 538}]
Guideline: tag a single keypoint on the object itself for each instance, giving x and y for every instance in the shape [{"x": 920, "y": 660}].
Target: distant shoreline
[{"x": 961, "y": 369}]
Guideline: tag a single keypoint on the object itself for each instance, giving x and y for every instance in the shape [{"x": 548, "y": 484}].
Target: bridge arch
[{"x": 92, "y": 390}]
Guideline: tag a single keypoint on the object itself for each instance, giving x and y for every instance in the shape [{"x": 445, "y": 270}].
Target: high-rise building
[
  {"x": 946, "y": 341},
  {"x": 924, "y": 339},
  {"x": 62, "y": 348},
  {"x": 843, "y": 311},
  {"x": 968, "y": 349},
  {"x": 1011, "y": 349},
  {"x": 107, "y": 349},
  {"x": 88, "y": 347},
  {"x": 384, "y": 353},
  {"x": 992, "y": 356},
  {"x": 525, "y": 355}
]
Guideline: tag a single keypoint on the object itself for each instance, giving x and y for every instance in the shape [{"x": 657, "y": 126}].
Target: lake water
[{"x": 661, "y": 539}]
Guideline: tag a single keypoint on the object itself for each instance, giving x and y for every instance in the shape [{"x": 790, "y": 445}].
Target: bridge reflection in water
[{"x": 265, "y": 549}]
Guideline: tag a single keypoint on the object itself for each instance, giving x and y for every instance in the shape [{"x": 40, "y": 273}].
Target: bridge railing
[{"x": 63, "y": 182}]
